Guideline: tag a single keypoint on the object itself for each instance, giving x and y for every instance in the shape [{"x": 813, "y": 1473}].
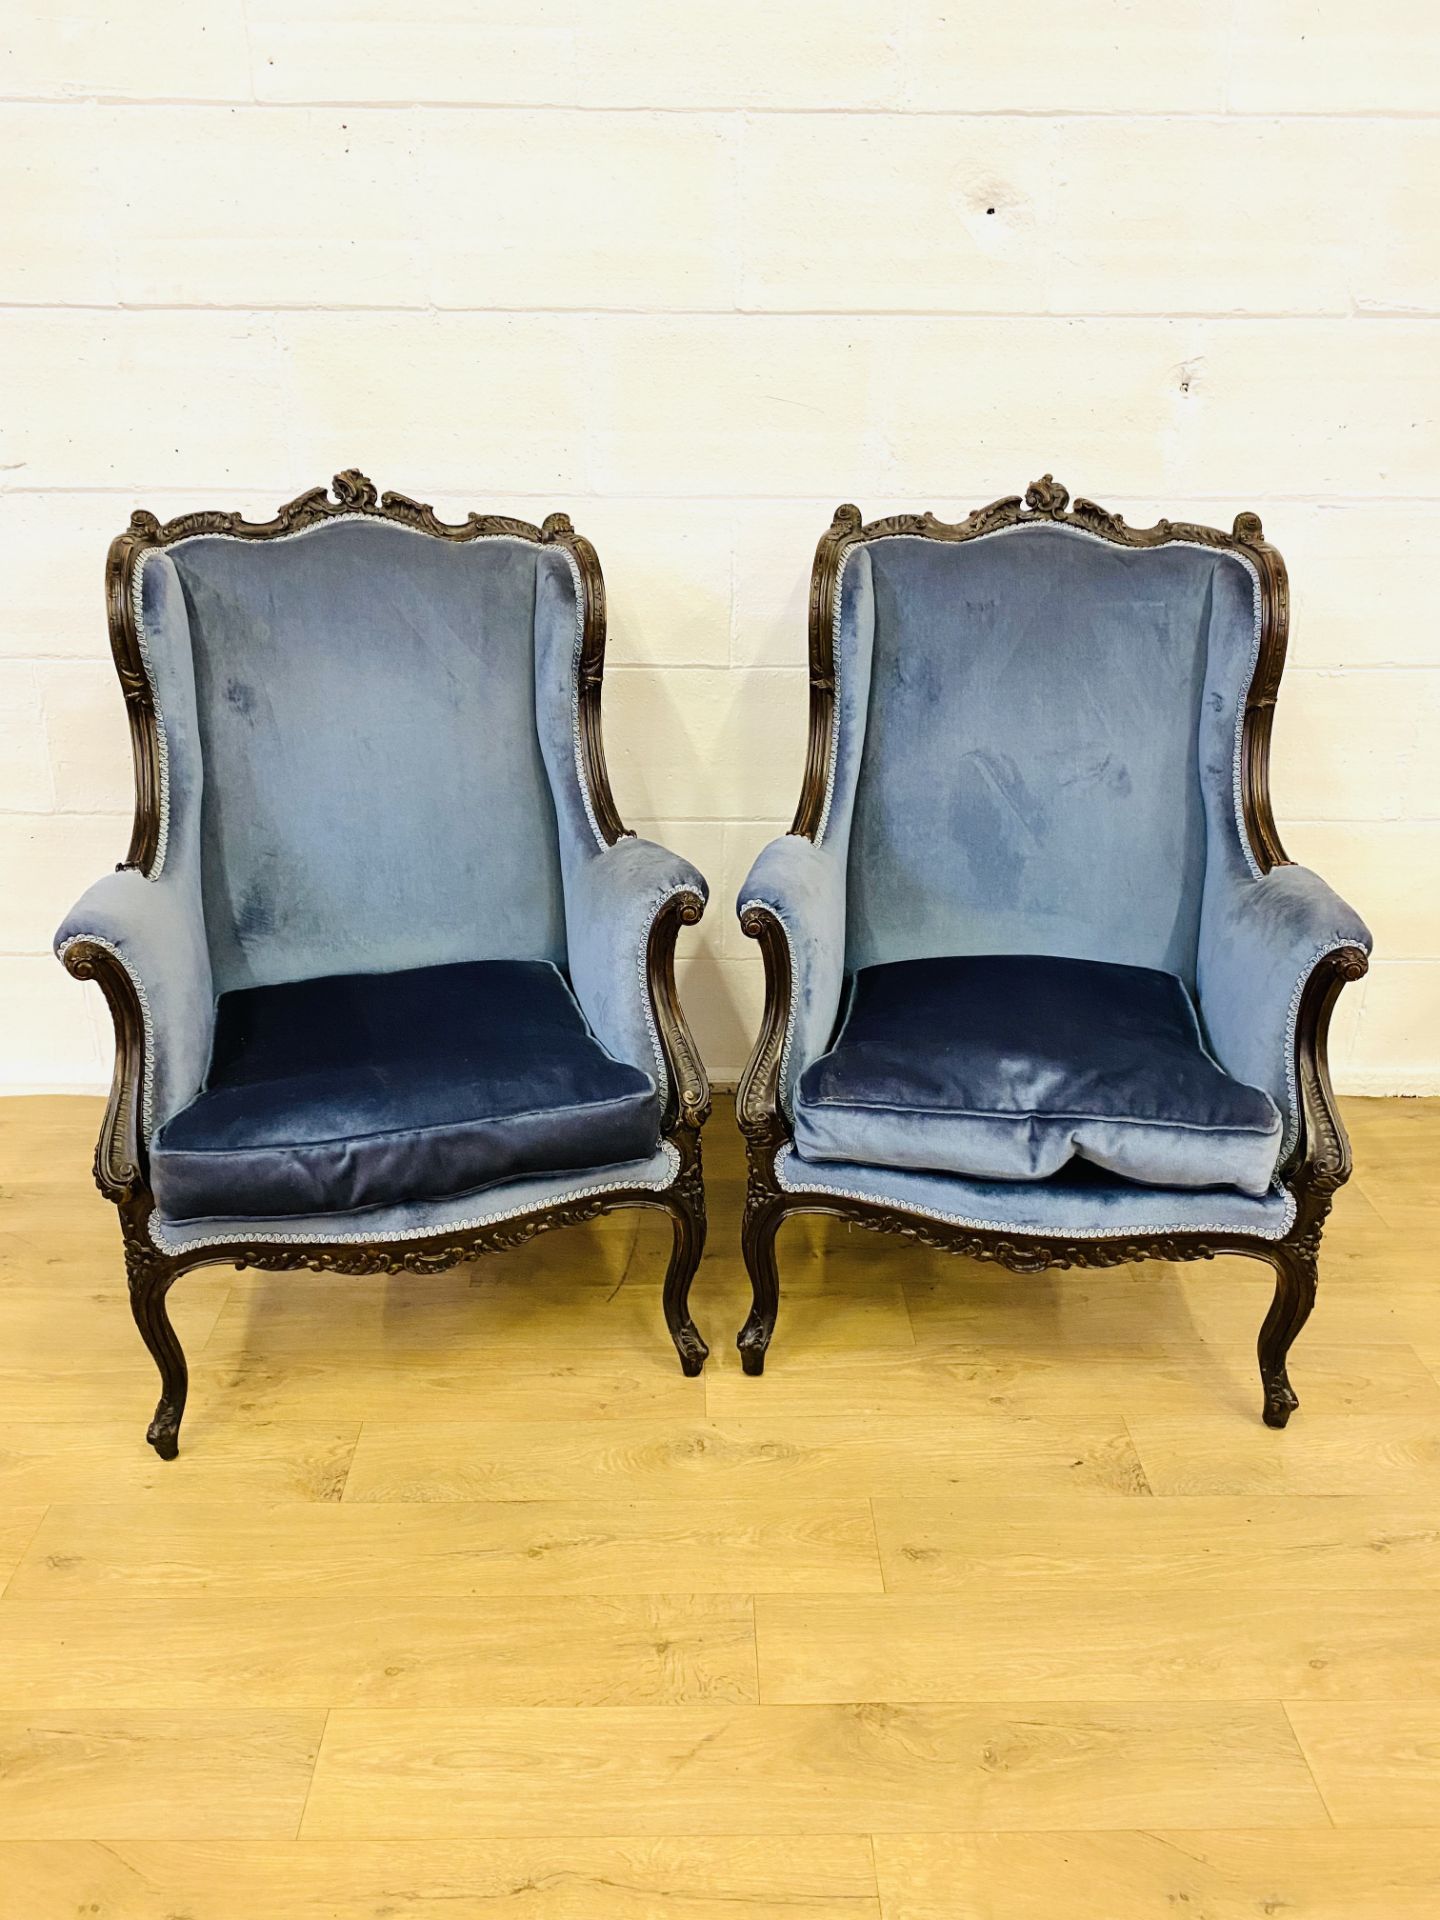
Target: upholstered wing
[
  {"x": 613, "y": 891},
  {"x": 154, "y": 924}
]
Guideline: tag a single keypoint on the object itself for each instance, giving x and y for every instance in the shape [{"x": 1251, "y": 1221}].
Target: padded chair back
[
  {"x": 1050, "y": 734},
  {"x": 373, "y": 791}
]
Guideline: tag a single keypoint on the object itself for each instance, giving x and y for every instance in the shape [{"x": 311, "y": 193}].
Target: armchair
[
  {"x": 1041, "y": 986},
  {"x": 391, "y": 984}
]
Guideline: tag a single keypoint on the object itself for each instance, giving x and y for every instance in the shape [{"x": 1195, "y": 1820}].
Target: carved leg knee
[
  {"x": 1295, "y": 1277},
  {"x": 687, "y": 1216},
  {"x": 757, "y": 1244},
  {"x": 150, "y": 1281}
]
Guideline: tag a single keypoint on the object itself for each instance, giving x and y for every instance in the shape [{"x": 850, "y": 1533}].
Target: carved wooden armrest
[
  {"x": 1321, "y": 1158},
  {"x": 688, "y": 1093},
  {"x": 758, "y": 1106},
  {"x": 119, "y": 1152}
]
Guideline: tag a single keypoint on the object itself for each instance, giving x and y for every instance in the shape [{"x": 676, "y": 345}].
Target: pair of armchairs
[{"x": 392, "y": 986}]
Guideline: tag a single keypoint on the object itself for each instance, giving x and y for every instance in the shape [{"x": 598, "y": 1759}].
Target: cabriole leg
[
  {"x": 757, "y": 1244},
  {"x": 685, "y": 1204},
  {"x": 1295, "y": 1277},
  {"x": 151, "y": 1278}
]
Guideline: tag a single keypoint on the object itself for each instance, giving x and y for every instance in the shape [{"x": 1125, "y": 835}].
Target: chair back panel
[
  {"x": 374, "y": 796},
  {"x": 1035, "y": 769}
]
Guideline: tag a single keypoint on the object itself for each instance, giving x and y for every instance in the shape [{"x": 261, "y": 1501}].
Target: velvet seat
[
  {"x": 392, "y": 984},
  {"x": 1041, "y": 985},
  {"x": 1008, "y": 1066},
  {"x": 334, "y": 1095}
]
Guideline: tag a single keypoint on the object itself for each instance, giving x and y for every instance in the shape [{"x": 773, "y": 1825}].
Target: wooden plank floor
[{"x": 992, "y": 1599}]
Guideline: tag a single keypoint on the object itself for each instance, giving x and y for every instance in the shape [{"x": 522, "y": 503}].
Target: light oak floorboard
[
  {"x": 959, "y": 1381},
  {"x": 1307, "y": 1875},
  {"x": 1386, "y": 1454},
  {"x": 1394, "y": 1310},
  {"x": 835, "y": 1309},
  {"x": 1179, "y": 1546},
  {"x": 826, "y": 1456},
  {"x": 1396, "y": 1146},
  {"x": 66, "y": 1322},
  {"x": 18, "y": 1527},
  {"x": 205, "y": 1652},
  {"x": 1109, "y": 1631},
  {"x": 1019, "y": 1643},
  {"x": 390, "y": 1553},
  {"x": 322, "y": 1389},
  {"x": 528, "y": 1297},
  {"x": 577, "y": 1288},
  {"x": 152, "y": 1774},
  {"x": 58, "y": 1460},
  {"x": 1207, "y": 1316},
  {"x": 1376, "y": 1762},
  {"x": 830, "y": 1878},
  {"x": 874, "y": 1768}
]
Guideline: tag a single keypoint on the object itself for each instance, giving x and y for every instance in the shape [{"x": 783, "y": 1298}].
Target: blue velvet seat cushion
[
  {"x": 1007, "y": 1066},
  {"x": 362, "y": 1090},
  {"x": 1081, "y": 1202}
]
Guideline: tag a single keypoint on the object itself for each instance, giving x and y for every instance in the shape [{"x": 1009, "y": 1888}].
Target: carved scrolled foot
[
  {"x": 150, "y": 1281},
  {"x": 1281, "y": 1400},
  {"x": 691, "y": 1348},
  {"x": 753, "y": 1339},
  {"x": 686, "y": 1205},
  {"x": 163, "y": 1432},
  {"x": 763, "y": 1215},
  {"x": 1295, "y": 1278}
]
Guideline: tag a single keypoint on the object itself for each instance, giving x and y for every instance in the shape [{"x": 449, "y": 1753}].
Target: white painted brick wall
[{"x": 695, "y": 275}]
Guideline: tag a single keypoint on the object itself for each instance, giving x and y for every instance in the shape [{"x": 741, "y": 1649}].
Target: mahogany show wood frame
[
  {"x": 120, "y": 1158},
  {"x": 1319, "y": 1163}
]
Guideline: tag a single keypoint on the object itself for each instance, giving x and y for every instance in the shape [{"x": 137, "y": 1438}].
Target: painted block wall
[{"x": 695, "y": 275}]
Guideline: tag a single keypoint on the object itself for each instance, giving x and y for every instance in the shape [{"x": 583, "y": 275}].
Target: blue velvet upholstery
[
  {"x": 421, "y": 1219},
  {"x": 1004, "y": 1067},
  {"x": 1030, "y": 779},
  {"x": 611, "y": 893},
  {"x": 611, "y": 900},
  {"x": 1259, "y": 941},
  {"x": 1035, "y": 755},
  {"x": 370, "y": 768},
  {"x": 364, "y": 1090},
  {"x": 156, "y": 925},
  {"x": 1081, "y": 1203},
  {"x": 157, "y": 930},
  {"x": 803, "y": 885},
  {"x": 352, "y": 682}
]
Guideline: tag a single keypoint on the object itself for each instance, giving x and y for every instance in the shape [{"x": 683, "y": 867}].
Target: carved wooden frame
[
  {"x": 120, "y": 1160},
  {"x": 1318, "y": 1164}
]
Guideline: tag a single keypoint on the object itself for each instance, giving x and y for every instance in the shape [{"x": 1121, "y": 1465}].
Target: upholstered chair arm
[
  {"x": 624, "y": 907},
  {"x": 144, "y": 942},
  {"x": 1274, "y": 953},
  {"x": 793, "y": 903}
]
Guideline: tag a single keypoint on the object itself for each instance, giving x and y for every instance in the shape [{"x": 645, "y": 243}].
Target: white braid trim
[
  {"x": 833, "y": 757},
  {"x": 137, "y": 601},
  {"x": 582, "y": 779}
]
